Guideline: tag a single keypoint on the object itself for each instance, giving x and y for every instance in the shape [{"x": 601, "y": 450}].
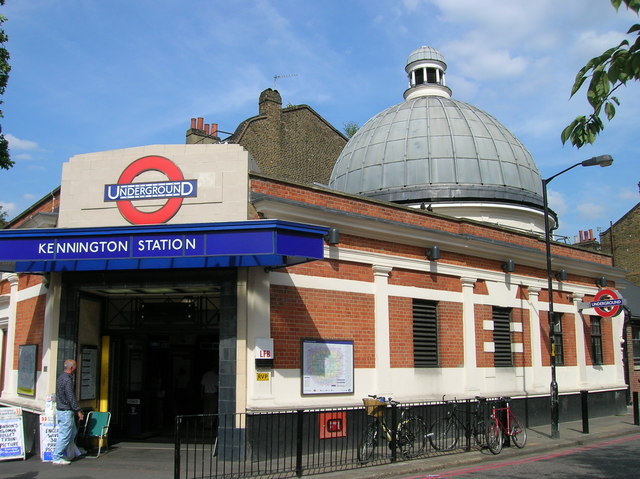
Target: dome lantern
[{"x": 426, "y": 69}]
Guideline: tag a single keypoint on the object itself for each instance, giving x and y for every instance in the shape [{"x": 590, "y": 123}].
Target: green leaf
[
  {"x": 610, "y": 110},
  {"x": 568, "y": 131},
  {"x": 577, "y": 84}
]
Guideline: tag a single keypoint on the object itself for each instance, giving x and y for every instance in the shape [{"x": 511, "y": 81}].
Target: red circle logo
[
  {"x": 607, "y": 302},
  {"x": 170, "y": 208}
]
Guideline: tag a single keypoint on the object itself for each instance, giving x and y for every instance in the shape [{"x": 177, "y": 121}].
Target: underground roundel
[
  {"x": 125, "y": 192},
  {"x": 607, "y": 303}
]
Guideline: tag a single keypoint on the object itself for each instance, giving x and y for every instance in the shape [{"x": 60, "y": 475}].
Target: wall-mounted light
[
  {"x": 601, "y": 281},
  {"x": 333, "y": 236},
  {"x": 433, "y": 253},
  {"x": 561, "y": 275},
  {"x": 509, "y": 266}
]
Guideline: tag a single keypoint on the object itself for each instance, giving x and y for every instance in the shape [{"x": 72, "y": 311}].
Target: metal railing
[{"x": 299, "y": 442}]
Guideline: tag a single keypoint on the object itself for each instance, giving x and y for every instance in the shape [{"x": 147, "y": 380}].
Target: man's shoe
[
  {"x": 82, "y": 451},
  {"x": 61, "y": 462}
]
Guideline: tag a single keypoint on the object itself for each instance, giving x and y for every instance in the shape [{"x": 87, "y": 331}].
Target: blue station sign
[{"x": 250, "y": 243}]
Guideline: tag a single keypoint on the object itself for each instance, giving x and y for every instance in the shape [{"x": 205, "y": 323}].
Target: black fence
[{"x": 283, "y": 444}]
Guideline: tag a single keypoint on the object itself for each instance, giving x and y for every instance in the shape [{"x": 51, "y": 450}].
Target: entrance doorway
[
  {"x": 159, "y": 378},
  {"x": 156, "y": 334}
]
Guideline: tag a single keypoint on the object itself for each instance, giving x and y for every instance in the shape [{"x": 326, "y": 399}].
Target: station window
[
  {"x": 635, "y": 339},
  {"x": 502, "y": 337},
  {"x": 425, "y": 333},
  {"x": 596, "y": 340},
  {"x": 557, "y": 338}
]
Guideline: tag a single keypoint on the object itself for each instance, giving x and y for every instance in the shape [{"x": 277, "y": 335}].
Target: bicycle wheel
[
  {"x": 494, "y": 437},
  {"x": 444, "y": 434},
  {"x": 412, "y": 437},
  {"x": 480, "y": 433},
  {"x": 368, "y": 443},
  {"x": 517, "y": 432}
]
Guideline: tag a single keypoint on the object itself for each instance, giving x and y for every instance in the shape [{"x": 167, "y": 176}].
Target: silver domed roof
[
  {"x": 433, "y": 148},
  {"x": 425, "y": 53}
]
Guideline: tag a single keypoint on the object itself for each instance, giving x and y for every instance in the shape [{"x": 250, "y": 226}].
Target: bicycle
[
  {"x": 445, "y": 431},
  {"x": 510, "y": 427},
  {"x": 410, "y": 435}
]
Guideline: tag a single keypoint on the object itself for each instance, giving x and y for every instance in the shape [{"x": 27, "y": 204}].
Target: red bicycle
[{"x": 504, "y": 423}]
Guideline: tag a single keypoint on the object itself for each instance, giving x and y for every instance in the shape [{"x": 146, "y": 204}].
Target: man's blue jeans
[{"x": 66, "y": 432}]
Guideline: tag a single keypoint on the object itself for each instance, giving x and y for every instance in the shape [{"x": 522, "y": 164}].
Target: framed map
[{"x": 327, "y": 366}]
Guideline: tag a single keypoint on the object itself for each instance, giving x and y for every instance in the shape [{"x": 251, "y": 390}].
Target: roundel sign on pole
[
  {"x": 174, "y": 190},
  {"x": 607, "y": 303}
]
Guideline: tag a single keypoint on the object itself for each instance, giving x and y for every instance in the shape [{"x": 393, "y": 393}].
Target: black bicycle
[
  {"x": 410, "y": 436},
  {"x": 446, "y": 431}
]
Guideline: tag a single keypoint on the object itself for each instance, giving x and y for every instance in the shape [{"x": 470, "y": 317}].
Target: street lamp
[{"x": 603, "y": 160}]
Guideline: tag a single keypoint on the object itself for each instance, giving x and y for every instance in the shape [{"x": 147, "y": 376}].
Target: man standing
[{"x": 67, "y": 406}]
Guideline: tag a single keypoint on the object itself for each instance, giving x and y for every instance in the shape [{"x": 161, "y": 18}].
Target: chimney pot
[
  {"x": 200, "y": 122},
  {"x": 214, "y": 129},
  {"x": 193, "y": 123},
  {"x": 206, "y": 128}
]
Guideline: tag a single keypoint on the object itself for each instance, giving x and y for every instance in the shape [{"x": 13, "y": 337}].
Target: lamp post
[{"x": 603, "y": 160}]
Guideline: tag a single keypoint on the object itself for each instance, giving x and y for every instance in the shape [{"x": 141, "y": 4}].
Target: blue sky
[{"x": 90, "y": 76}]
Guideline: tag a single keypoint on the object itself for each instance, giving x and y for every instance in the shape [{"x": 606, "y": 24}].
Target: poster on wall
[
  {"x": 11, "y": 433},
  {"x": 27, "y": 369},
  {"x": 88, "y": 372},
  {"x": 327, "y": 366}
]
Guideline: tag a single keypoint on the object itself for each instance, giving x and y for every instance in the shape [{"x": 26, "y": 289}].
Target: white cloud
[
  {"x": 8, "y": 207},
  {"x": 478, "y": 61},
  {"x": 592, "y": 211},
  {"x": 628, "y": 194},
  {"x": 557, "y": 202},
  {"x": 590, "y": 43},
  {"x": 19, "y": 144}
]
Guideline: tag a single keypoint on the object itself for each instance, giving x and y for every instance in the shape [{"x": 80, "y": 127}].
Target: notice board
[
  {"x": 11, "y": 433},
  {"x": 27, "y": 369}
]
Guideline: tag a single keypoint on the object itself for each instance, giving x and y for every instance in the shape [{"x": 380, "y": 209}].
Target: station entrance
[{"x": 157, "y": 340}]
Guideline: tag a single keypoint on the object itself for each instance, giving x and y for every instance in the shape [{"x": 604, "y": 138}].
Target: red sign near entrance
[{"x": 607, "y": 303}]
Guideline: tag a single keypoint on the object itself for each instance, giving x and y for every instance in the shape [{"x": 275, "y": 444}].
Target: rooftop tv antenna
[{"x": 275, "y": 78}]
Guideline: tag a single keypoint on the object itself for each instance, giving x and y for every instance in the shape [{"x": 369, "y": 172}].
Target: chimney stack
[{"x": 201, "y": 132}]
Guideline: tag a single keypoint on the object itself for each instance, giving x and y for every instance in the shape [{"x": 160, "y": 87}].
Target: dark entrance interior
[
  {"x": 160, "y": 347},
  {"x": 157, "y": 377},
  {"x": 159, "y": 331}
]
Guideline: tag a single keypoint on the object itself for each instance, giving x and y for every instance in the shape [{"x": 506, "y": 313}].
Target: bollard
[
  {"x": 584, "y": 397},
  {"x": 636, "y": 418}
]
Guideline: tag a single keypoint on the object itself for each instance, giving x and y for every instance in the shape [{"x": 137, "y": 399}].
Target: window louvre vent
[
  {"x": 502, "y": 337},
  {"x": 425, "y": 333}
]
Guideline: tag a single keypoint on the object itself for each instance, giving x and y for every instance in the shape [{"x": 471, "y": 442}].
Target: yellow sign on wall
[{"x": 262, "y": 376}]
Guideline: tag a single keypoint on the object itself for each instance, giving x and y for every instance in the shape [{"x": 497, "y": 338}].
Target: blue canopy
[{"x": 271, "y": 243}]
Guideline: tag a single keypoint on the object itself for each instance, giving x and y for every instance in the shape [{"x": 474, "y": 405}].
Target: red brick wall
[
  {"x": 49, "y": 205},
  {"x": 334, "y": 269},
  {"x": 30, "y": 326},
  {"x": 298, "y": 313},
  {"x": 450, "y": 338},
  {"x": 424, "y": 280},
  {"x": 401, "y": 331},
  {"x": 396, "y": 213}
]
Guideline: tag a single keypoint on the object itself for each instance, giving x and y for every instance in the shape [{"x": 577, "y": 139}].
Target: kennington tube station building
[{"x": 410, "y": 259}]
